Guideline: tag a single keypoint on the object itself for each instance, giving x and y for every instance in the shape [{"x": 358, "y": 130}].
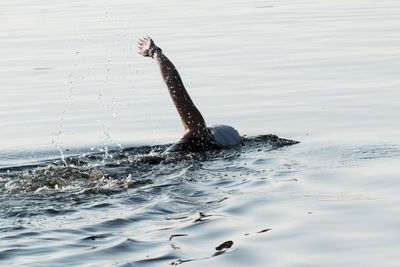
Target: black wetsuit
[{"x": 194, "y": 144}]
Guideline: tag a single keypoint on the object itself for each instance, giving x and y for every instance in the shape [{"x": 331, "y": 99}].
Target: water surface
[{"x": 84, "y": 120}]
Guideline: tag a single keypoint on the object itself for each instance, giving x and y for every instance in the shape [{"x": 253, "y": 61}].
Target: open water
[{"x": 84, "y": 119}]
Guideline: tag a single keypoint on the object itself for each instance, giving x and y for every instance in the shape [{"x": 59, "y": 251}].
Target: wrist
[{"x": 155, "y": 51}]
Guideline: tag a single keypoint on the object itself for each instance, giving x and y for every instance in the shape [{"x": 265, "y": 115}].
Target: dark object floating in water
[
  {"x": 177, "y": 235},
  {"x": 94, "y": 237},
  {"x": 259, "y": 232},
  {"x": 225, "y": 245},
  {"x": 263, "y": 231},
  {"x": 202, "y": 217},
  {"x": 221, "y": 249}
]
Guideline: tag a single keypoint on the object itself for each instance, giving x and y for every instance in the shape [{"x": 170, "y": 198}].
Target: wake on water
[{"x": 115, "y": 171}]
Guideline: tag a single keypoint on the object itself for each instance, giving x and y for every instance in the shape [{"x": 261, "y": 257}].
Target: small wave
[{"x": 115, "y": 171}]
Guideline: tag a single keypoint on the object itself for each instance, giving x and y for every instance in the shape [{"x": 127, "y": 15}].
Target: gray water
[{"x": 84, "y": 120}]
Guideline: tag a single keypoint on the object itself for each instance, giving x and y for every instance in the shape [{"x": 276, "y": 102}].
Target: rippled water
[{"x": 84, "y": 120}]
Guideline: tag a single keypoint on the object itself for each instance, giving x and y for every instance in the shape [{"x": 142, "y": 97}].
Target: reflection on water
[{"x": 82, "y": 178}]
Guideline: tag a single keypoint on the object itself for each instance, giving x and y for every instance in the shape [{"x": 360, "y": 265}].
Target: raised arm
[{"x": 191, "y": 117}]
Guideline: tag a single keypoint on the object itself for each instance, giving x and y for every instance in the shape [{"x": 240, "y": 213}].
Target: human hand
[{"x": 147, "y": 47}]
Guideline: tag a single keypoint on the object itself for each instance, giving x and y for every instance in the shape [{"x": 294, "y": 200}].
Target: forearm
[{"x": 190, "y": 115}]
